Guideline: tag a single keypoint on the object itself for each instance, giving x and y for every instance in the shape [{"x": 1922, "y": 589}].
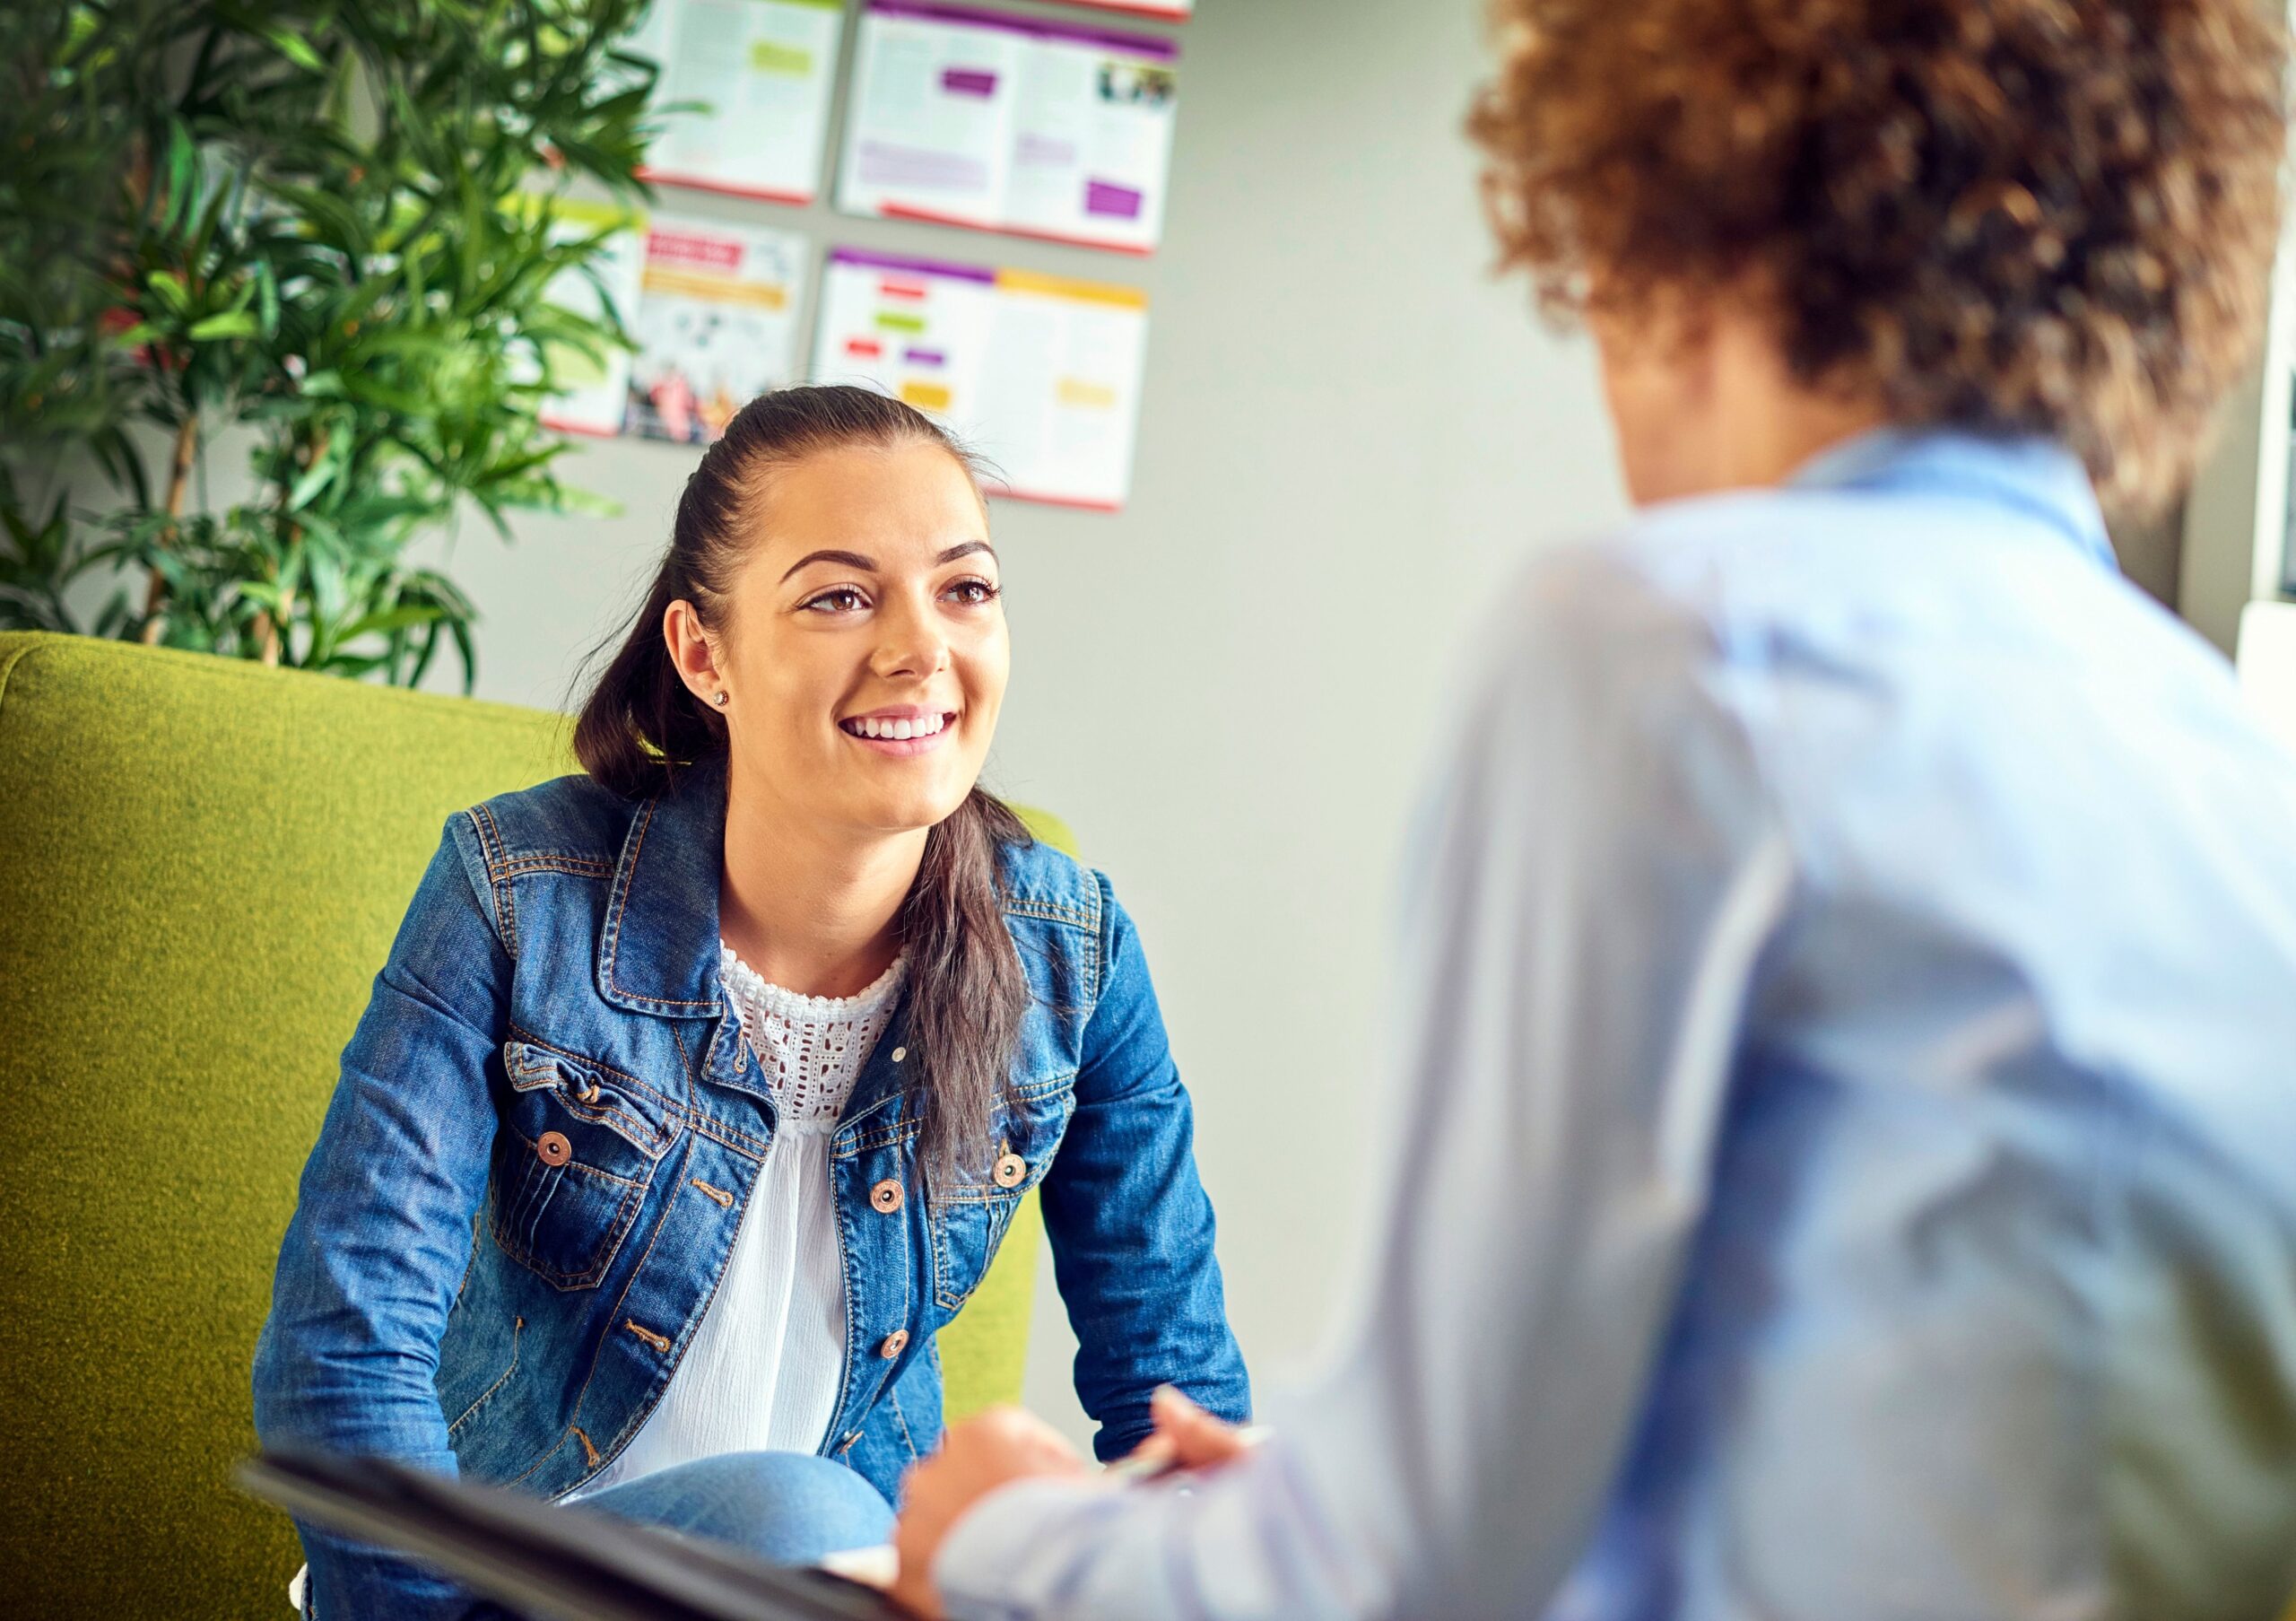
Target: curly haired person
[{"x": 1839, "y": 1162}]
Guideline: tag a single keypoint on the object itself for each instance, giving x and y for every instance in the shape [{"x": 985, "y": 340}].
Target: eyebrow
[{"x": 868, "y": 565}]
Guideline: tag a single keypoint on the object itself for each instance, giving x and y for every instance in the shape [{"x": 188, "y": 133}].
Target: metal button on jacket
[
  {"x": 886, "y": 1196},
  {"x": 554, "y": 1148},
  {"x": 1010, "y": 1171},
  {"x": 894, "y": 1344}
]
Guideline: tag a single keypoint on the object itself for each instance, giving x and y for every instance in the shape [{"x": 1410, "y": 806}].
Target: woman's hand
[
  {"x": 1186, "y": 1437},
  {"x": 1000, "y": 1446}
]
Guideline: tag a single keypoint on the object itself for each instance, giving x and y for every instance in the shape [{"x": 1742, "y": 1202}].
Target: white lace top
[{"x": 762, "y": 1371}]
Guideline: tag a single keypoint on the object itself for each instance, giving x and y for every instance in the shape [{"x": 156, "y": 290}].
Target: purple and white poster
[{"x": 1023, "y": 124}]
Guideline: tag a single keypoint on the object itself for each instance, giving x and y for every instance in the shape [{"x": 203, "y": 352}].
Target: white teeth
[{"x": 900, "y": 731}]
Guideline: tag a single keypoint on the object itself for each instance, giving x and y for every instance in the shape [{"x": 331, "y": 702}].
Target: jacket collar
[
  {"x": 2031, "y": 474},
  {"x": 659, "y": 951}
]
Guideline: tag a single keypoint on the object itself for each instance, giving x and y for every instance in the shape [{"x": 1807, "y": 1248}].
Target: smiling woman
[
  {"x": 738, "y": 1054},
  {"x": 871, "y": 597}
]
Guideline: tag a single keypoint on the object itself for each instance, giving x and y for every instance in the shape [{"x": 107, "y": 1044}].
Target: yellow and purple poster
[
  {"x": 751, "y": 81},
  {"x": 1040, "y": 375}
]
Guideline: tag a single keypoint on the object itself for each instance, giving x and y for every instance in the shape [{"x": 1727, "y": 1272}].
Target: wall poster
[
  {"x": 765, "y": 72},
  {"x": 716, "y": 326},
  {"x": 1040, "y": 128},
  {"x": 1040, "y": 374}
]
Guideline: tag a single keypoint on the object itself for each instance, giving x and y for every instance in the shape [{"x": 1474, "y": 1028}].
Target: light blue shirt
[{"x": 1845, "y": 1160}]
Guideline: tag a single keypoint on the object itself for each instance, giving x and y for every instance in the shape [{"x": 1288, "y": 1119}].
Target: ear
[{"x": 692, "y": 649}]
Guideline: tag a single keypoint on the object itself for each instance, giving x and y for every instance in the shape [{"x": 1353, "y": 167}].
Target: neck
[
  {"x": 1718, "y": 407},
  {"x": 1764, "y": 439},
  {"x": 812, "y": 909}
]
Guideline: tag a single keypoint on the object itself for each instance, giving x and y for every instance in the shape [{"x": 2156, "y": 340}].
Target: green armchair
[{"x": 202, "y": 866}]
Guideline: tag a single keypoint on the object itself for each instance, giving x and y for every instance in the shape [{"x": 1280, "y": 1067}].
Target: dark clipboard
[{"x": 567, "y": 1564}]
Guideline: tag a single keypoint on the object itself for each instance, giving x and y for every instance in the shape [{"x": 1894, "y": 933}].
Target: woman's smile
[{"x": 901, "y": 730}]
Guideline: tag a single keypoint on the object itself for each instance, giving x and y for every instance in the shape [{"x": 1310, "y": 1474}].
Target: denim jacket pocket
[
  {"x": 970, "y": 1218},
  {"x": 573, "y": 1158}
]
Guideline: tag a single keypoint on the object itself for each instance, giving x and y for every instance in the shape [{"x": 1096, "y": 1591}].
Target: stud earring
[{"x": 719, "y": 700}]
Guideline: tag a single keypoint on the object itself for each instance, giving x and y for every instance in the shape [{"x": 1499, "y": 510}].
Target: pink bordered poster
[
  {"x": 1178, "y": 10},
  {"x": 750, "y": 82},
  {"x": 1038, "y": 374},
  {"x": 1038, "y": 127},
  {"x": 716, "y": 325}
]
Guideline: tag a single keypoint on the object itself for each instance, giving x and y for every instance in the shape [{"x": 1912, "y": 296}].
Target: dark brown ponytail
[{"x": 640, "y": 727}]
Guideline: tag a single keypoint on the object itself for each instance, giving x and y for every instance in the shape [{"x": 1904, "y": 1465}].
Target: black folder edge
[{"x": 565, "y": 1562}]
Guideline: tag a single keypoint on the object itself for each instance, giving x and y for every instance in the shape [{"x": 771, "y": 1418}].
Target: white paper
[
  {"x": 1040, "y": 375},
  {"x": 1012, "y": 124},
  {"x": 593, "y": 391},
  {"x": 716, "y": 324},
  {"x": 766, "y": 71}
]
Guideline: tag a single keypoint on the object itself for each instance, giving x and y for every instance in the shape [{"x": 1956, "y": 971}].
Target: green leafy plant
[{"x": 317, "y": 234}]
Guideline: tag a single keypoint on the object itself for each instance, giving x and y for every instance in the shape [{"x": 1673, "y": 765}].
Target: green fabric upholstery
[{"x": 203, "y": 863}]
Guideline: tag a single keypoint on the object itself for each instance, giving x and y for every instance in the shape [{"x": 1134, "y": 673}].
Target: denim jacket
[{"x": 450, "y": 1294}]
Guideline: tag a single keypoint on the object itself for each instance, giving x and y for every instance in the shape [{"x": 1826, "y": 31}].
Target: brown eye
[
  {"x": 972, "y": 593},
  {"x": 844, "y": 599}
]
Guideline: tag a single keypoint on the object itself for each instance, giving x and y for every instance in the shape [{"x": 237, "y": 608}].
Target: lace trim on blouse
[{"x": 811, "y": 1048}]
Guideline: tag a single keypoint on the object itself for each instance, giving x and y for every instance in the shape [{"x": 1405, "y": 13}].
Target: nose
[{"x": 910, "y": 643}]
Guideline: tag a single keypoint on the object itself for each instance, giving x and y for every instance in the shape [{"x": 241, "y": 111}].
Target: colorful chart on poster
[
  {"x": 593, "y": 387},
  {"x": 716, "y": 326},
  {"x": 1040, "y": 374},
  {"x": 1015, "y": 124},
  {"x": 763, "y": 73}
]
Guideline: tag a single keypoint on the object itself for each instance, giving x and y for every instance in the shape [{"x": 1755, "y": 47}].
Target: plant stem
[
  {"x": 155, "y": 590},
  {"x": 268, "y": 631}
]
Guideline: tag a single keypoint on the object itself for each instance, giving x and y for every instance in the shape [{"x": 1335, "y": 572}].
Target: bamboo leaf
[
  {"x": 315, "y": 479},
  {"x": 171, "y": 292},
  {"x": 393, "y": 619},
  {"x": 288, "y": 46},
  {"x": 230, "y": 323}
]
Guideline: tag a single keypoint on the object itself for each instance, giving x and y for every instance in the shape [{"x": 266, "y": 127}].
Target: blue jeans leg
[{"x": 790, "y": 1508}]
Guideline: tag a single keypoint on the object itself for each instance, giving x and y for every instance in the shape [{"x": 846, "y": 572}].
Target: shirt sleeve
[{"x": 1594, "y": 879}]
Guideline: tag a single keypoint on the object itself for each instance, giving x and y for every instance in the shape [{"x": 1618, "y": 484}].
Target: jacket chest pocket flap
[
  {"x": 969, "y": 1219},
  {"x": 576, "y": 1153}
]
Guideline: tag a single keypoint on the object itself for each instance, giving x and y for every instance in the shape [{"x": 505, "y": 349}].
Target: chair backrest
[{"x": 202, "y": 867}]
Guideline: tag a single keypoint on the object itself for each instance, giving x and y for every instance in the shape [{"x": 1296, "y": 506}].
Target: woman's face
[{"x": 865, "y": 656}]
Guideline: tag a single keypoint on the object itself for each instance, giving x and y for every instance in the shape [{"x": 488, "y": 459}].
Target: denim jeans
[{"x": 790, "y": 1508}]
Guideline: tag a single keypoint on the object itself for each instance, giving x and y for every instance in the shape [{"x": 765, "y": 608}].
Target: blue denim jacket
[{"x": 445, "y": 1296}]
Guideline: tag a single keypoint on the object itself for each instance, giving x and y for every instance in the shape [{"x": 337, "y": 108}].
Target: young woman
[{"x": 699, "y": 1091}]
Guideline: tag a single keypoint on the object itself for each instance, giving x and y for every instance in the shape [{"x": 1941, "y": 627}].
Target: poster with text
[
  {"x": 1040, "y": 375},
  {"x": 716, "y": 326},
  {"x": 593, "y": 387},
  {"x": 763, "y": 73},
  {"x": 1014, "y": 123}
]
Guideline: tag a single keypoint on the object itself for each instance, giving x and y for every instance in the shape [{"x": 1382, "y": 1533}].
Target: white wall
[{"x": 1349, "y": 435}]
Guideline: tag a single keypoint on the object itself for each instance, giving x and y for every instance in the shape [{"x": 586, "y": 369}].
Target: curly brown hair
[{"x": 2021, "y": 215}]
